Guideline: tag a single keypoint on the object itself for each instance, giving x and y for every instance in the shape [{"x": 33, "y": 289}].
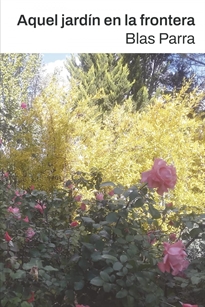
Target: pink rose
[
  {"x": 23, "y": 105},
  {"x": 26, "y": 219},
  {"x": 30, "y": 233},
  {"x": 83, "y": 207},
  {"x": 161, "y": 176},
  {"x": 31, "y": 299},
  {"x": 74, "y": 224},
  {"x": 172, "y": 237},
  {"x": 40, "y": 208},
  {"x": 13, "y": 210},
  {"x": 69, "y": 185},
  {"x": 189, "y": 305},
  {"x": 17, "y": 193},
  {"x": 6, "y": 174},
  {"x": 32, "y": 187},
  {"x": 78, "y": 198},
  {"x": 99, "y": 196},
  {"x": 111, "y": 193},
  {"x": 169, "y": 205},
  {"x": 174, "y": 258},
  {"x": 7, "y": 237}
]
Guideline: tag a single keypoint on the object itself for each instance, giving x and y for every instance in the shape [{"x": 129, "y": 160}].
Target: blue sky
[{"x": 52, "y": 57}]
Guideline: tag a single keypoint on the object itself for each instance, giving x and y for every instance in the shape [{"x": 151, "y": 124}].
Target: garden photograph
[{"x": 102, "y": 180}]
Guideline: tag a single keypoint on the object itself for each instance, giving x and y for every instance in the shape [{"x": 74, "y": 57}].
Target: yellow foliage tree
[
  {"x": 167, "y": 129},
  {"x": 61, "y": 137}
]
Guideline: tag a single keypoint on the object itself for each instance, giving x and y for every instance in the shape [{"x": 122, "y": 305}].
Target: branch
[{"x": 194, "y": 60}]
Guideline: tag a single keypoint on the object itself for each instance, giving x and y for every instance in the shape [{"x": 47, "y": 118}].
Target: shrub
[{"x": 56, "y": 252}]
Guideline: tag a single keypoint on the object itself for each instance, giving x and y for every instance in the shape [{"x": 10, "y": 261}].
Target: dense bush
[
  {"x": 56, "y": 137},
  {"x": 63, "y": 250}
]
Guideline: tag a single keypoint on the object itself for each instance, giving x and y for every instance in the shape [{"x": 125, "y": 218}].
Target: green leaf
[
  {"x": 78, "y": 285},
  {"x": 96, "y": 256},
  {"x": 117, "y": 266},
  {"x": 129, "y": 238},
  {"x": 75, "y": 258},
  {"x": 89, "y": 246},
  {"x": 195, "y": 232},
  {"x": 107, "y": 184},
  {"x": 138, "y": 237},
  {"x": 25, "y": 304},
  {"x": 2, "y": 278},
  {"x": 70, "y": 295},
  {"x": 123, "y": 258},
  {"x": 4, "y": 302},
  {"x": 16, "y": 300},
  {"x": 133, "y": 195},
  {"x": 87, "y": 220},
  {"x": 150, "y": 298},
  {"x": 97, "y": 281},
  {"x": 121, "y": 241},
  {"x": 118, "y": 191},
  {"x": 112, "y": 217},
  {"x": 49, "y": 268},
  {"x": 129, "y": 191},
  {"x": 120, "y": 282},
  {"x": 125, "y": 271},
  {"x": 33, "y": 262},
  {"x": 107, "y": 287},
  {"x": 104, "y": 276},
  {"x": 18, "y": 274},
  {"x": 154, "y": 212},
  {"x": 138, "y": 203},
  {"x": 122, "y": 293},
  {"x": 117, "y": 231},
  {"x": 51, "y": 245},
  {"x": 195, "y": 280},
  {"x": 109, "y": 257},
  {"x": 130, "y": 301}
]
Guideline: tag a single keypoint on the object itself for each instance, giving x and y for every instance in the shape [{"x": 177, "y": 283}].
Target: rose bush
[{"x": 65, "y": 256}]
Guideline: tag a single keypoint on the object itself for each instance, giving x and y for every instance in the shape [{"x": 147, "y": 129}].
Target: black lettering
[
  {"x": 108, "y": 21},
  {"x": 50, "y": 21},
  {"x": 22, "y": 19},
  {"x": 190, "y": 21},
  {"x": 130, "y": 38},
  {"x": 177, "y": 21},
  {"x": 32, "y": 21},
  {"x": 163, "y": 36}
]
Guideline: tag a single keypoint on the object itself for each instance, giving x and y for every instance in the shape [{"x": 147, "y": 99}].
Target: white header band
[{"x": 163, "y": 26}]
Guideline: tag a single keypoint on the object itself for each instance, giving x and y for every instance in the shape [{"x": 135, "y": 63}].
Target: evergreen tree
[
  {"x": 105, "y": 76},
  {"x": 101, "y": 77},
  {"x": 167, "y": 71}
]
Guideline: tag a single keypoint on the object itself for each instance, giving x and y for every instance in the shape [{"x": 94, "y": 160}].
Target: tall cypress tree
[{"x": 101, "y": 77}]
